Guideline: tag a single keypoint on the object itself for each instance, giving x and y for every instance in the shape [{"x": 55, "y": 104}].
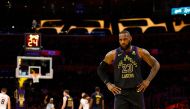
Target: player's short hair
[
  {"x": 66, "y": 91},
  {"x": 4, "y": 89},
  {"x": 97, "y": 88},
  {"x": 125, "y": 31},
  {"x": 84, "y": 95},
  {"x": 51, "y": 99}
]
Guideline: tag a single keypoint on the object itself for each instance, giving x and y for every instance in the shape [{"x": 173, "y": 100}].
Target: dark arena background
[{"x": 77, "y": 34}]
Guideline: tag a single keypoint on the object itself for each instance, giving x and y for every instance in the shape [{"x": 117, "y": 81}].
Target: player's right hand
[{"x": 114, "y": 89}]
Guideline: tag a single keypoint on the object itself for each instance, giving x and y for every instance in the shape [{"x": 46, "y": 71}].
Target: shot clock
[{"x": 32, "y": 41}]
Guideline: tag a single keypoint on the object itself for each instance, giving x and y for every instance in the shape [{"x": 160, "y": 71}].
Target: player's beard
[{"x": 126, "y": 47}]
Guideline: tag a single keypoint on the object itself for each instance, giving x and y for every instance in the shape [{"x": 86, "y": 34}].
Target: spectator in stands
[
  {"x": 128, "y": 86},
  {"x": 34, "y": 24}
]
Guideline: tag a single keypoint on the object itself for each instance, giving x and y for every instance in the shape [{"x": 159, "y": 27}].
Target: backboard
[{"x": 27, "y": 66}]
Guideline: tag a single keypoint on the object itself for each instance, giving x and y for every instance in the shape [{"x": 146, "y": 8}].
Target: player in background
[
  {"x": 97, "y": 99},
  {"x": 84, "y": 101},
  {"x": 67, "y": 100},
  {"x": 5, "y": 102}
]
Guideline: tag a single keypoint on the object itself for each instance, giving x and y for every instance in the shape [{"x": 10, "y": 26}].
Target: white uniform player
[
  {"x": 84, "y": 101},
  {"x": 50, "y": 105},
  {"x": 4, "y": 99}
]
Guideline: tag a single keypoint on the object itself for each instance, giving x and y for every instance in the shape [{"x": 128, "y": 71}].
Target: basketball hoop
[{"x": 35, "y": 77}]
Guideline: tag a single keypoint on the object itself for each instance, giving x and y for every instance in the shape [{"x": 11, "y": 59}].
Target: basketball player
[
  {"x": 50, "y": 105},
  {"x": 5, "y": 102},
  {"x": 128, "y": 86},
  {"x": 97, "y": 99},
  {"x": 67, "y": 100},
  {"x": 84, "y": 101}
]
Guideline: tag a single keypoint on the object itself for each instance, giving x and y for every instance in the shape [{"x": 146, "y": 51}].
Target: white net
[{"x": 35, "y": 78}]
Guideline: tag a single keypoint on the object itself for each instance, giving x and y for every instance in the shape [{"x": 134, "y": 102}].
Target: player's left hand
[
  {"x": 114, "y": 89},
  {"x": 143, "y": 85}
]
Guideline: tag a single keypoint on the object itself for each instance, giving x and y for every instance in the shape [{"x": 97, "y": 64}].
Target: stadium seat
[
  {"x": 158, "y": 29},
  {"x": 134, "y": 30},
  {"x": 185, "y": 29},
  {"x": 78, "y": 31},
  {"x": 49, "y": 31},
  {"x": 100, "y": 32}
]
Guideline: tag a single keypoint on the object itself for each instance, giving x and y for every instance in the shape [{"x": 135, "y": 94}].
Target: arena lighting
[
  {"x": 51, "y": 53},
  {"x": 180, "y": 11},
  {"x": 42, "y": 53}
]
